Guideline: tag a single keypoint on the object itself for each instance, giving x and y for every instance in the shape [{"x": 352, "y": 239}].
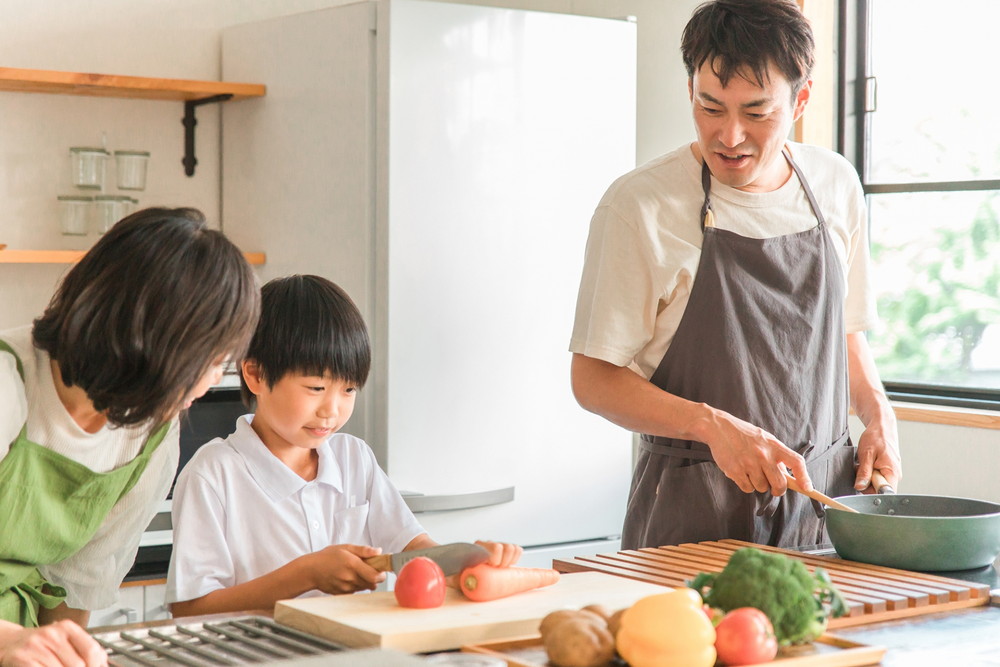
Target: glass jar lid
[
  {"x": 88, "y": 149},
  {"x": 136, "y": 153},
  {"x": 82, "y": 198}
]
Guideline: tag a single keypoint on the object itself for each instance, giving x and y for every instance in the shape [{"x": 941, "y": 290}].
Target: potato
[
  {"x": 598, "y": 609},
  {"x": 561, "y": 615},
  {"x": 578, "y": 642},
  {"x": 553, "y": 619},
  {"x": 615, "y": 621}
]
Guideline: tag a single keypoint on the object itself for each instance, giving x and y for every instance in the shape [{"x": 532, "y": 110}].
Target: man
[{"x": 724, "y": 300}]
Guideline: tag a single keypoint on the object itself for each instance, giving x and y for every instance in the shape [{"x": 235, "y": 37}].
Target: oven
[{"x": 211, "y": 416}]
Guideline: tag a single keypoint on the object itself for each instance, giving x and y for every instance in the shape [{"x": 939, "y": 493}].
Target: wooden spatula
[{"x": 816, "y": 495}]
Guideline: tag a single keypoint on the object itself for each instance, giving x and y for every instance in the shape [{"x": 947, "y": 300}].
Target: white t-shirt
[
  {"x": 240, "y": 513},
  {"x": 645, "y": 244},
  {"x": 92, "y": 575}
]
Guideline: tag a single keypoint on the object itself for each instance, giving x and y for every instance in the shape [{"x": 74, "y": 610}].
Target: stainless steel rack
[{"x": 243, "y": 640}]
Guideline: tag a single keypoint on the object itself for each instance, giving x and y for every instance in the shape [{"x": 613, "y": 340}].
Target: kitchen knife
[{"x": 453, "y": 558}]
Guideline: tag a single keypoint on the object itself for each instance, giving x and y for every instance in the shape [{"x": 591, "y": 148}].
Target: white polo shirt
[{"x": 240, "y": 513}]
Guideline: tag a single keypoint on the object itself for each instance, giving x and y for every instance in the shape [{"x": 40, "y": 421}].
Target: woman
[{"x": 89, "y": 399}]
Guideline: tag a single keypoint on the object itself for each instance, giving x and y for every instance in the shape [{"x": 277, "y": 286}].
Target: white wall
[
  {"x": 180, "y": 39},
  {"x": 946, "y": 460}
]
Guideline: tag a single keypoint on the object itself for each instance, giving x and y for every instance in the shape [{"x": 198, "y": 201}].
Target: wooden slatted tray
[{"x": 873, "y": 593}]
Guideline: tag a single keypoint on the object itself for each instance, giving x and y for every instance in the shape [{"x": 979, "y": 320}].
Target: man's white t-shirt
[
  {"x": 240, "y": 513},
  {"x": 645, "y": 244},
  {"x": 93, "y": 575}
]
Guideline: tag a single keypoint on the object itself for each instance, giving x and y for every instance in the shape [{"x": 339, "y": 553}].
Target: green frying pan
[{"x": 916, "y": 532}]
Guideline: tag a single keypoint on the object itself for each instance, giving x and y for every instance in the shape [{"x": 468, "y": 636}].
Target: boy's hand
[
  {"x": 341, "y": 568},
  {"x": 502, "y": 554}
]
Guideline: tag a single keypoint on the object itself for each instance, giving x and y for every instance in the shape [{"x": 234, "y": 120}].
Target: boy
[{"x": 286, "y": 505}]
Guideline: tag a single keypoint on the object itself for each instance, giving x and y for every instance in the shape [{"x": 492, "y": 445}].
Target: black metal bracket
[{"x": 189, "y": 122}]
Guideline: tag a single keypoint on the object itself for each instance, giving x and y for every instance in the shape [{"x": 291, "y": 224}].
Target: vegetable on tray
[
  {"x": 667, "y": 629},
  {"x": 798, "y": 602},
  {"x": 486, "y": 582},
  {"x": 420, "y": 584}
]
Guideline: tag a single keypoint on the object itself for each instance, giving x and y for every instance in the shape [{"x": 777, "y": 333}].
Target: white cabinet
[
  {"x": 137, "y": 603},
  {"x": 154, "y": 603},
  {"x": 127, "y": 610}
]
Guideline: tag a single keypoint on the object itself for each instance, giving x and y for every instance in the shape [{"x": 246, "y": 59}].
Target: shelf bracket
[{"x": 189, "y": 122}]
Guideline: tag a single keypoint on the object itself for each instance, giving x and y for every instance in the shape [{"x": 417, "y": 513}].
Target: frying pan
[{"x": 915, "y": 532}]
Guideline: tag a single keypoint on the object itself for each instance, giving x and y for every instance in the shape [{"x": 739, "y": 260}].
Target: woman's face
[{"x": 210, "y": 378}]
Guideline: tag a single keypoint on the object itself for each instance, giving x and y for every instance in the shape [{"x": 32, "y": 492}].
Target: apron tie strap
[{"x": 30, "y": 595}]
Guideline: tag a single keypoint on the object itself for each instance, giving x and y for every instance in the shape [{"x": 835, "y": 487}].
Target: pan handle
[{"x": 881, "y": 484}]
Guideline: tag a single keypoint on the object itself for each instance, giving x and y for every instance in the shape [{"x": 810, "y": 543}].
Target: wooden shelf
[
  {"x": 73, "y": 256},
  {"x": 113, "y": 85},
  {"x": 192, "y": 93}
]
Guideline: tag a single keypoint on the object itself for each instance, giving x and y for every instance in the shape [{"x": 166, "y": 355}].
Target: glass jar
[
  {"x": 131, "y": 169},
  {"x": 88, "y": 167},
  {"x": 73, "y": 210},
  {"x": 109, "y": 209}
]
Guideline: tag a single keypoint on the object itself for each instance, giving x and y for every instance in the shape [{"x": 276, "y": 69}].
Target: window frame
[{"x": 857, "y": 99}]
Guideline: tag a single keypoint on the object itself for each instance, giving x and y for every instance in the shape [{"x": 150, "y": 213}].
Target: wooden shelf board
[
  {"x": 8, "y": 256},
  {"x": 113, "y": 85}
]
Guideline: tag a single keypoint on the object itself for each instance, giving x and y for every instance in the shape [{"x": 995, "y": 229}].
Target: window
[{"x": 918, "y": 118}]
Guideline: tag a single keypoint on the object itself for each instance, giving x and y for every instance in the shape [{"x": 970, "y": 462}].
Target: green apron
[{"x": 52, "y": 507}]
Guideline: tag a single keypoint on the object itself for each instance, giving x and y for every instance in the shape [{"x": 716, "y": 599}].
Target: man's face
[{"x": 742, "y": 127}]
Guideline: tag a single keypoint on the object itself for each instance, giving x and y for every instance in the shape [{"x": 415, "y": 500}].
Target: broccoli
[{"x": 797, "y": 602}]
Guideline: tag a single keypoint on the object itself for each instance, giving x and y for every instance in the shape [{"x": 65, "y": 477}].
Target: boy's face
[{"x": 299, "y": 410}]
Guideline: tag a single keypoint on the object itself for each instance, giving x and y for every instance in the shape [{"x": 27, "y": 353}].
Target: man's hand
[
  {"x": 61, "y": 643},
  {"x": 878, "y": 449},
  {"x": 341, "y": 568},
  {"x": 750, "y": 456}
]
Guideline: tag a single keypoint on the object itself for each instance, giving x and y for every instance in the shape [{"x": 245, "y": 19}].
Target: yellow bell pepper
[{"x": 667, "y": 630}]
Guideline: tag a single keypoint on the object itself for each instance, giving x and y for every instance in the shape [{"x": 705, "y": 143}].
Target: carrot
[{"x": 485, "y": 582}]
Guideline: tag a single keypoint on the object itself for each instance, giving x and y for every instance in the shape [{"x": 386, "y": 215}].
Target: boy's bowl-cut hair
[
  {"x": 141, "y": 318},
  {"x": 308, "y": 325}
]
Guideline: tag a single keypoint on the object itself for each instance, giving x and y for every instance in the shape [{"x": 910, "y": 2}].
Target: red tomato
[
  {"x": 745, "y": 636},
  {"x": 420, "y": 584}
]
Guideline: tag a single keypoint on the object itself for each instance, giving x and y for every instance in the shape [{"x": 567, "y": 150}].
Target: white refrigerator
[{"x": 441, "y": 162}]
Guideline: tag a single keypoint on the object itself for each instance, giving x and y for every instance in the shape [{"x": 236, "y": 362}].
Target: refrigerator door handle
[{"x": 419, "y": 502}]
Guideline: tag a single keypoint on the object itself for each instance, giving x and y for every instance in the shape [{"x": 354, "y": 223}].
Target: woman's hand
[{"x": 61, "y": 643}]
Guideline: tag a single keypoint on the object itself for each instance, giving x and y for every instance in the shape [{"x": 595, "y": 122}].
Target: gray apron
[{"x": 762, "y": 338}]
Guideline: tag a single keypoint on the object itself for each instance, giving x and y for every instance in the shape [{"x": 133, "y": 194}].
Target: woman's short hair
[
  {"x": 744, "y": 37},
  {"x": 141, "y": 318},
  {"x": 308, "y": 325}
]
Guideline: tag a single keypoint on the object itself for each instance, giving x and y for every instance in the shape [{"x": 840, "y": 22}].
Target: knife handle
[{"x": 382, "y": 562}]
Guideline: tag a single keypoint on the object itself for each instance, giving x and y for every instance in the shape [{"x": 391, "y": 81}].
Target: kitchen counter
[{"x": 964, "y": 638}]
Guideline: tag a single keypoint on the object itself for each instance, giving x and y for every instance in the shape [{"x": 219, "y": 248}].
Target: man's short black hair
[
  {"x": 744, "y": 37},
  {"x": 308, "y": 325}
]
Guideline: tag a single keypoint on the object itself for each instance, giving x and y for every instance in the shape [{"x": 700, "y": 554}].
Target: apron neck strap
[{"x": 706, "y": 186}]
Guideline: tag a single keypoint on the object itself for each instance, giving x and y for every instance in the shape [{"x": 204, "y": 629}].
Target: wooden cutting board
[
  {"x": 874, "y": 593},
  {"x": 374, "y": 619}
]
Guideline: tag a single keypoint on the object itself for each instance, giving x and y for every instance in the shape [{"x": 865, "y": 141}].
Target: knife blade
[{"x": 453, "y": 558}]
